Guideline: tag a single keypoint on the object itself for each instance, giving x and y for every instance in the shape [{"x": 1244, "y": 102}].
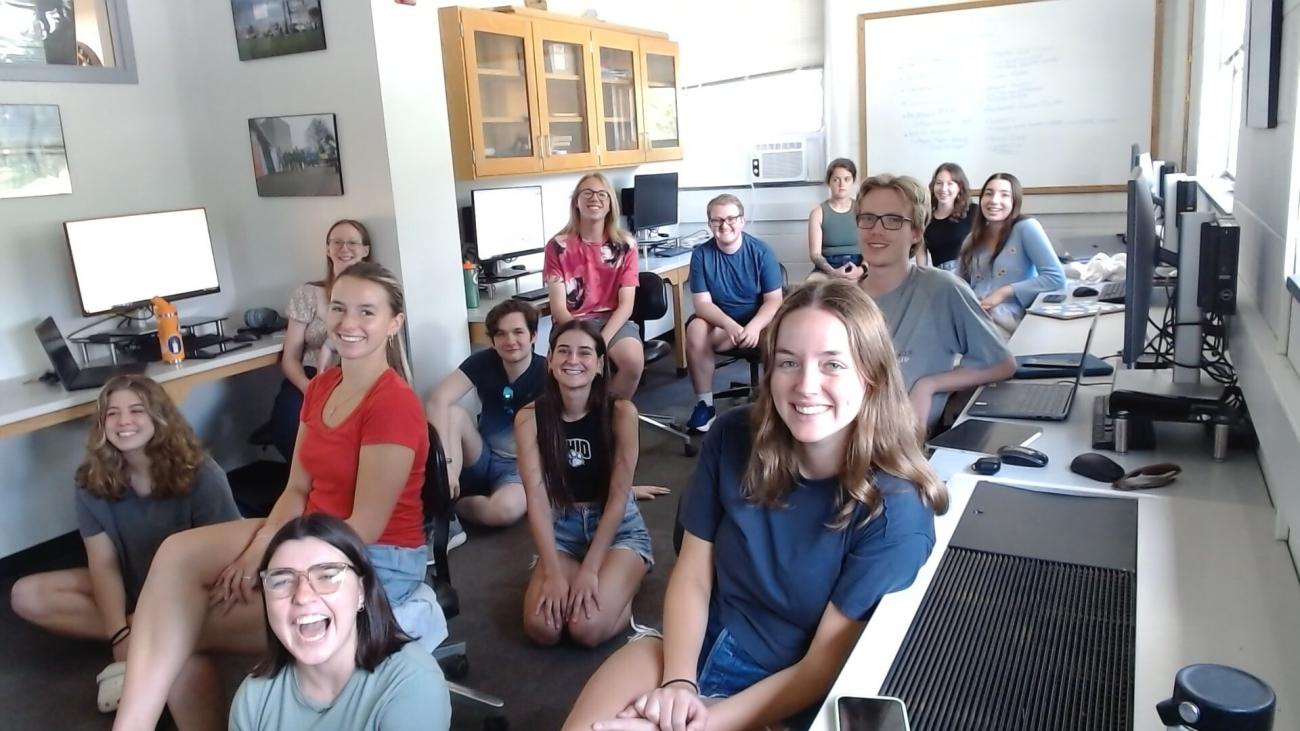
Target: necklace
[{"x": 339, "y": 402}]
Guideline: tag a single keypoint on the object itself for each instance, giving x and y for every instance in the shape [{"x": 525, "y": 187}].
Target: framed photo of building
[
  {"x": 296, "y": 155},
  {"x": 33, "y": 158},
  {"x": 265, "y": 28}
]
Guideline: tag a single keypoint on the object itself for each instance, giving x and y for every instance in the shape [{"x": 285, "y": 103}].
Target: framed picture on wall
[
  {"x": 1263, "y": 62},
  {"x": 265, "y": 28},
  {"x": 296, "y": 155},
  {"x": 33, "y": 159}
]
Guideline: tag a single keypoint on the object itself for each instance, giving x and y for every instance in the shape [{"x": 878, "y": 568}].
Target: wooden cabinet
[{"x": 530, "y": 91}]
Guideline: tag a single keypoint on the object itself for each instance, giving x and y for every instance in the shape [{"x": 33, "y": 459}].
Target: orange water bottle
[{"x": 169, "y": 331}]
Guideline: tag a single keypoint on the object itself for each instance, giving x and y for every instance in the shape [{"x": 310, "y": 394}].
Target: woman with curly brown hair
[
  {"x": 805, "y": 509},
  {"x": 145, "y": 477}
]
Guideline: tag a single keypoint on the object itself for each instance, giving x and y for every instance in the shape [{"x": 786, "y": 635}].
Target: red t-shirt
[
  {"x": 390, "y": 413},
  {"x": 592, "y": 274}
]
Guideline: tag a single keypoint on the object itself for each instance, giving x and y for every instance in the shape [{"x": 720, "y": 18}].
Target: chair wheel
[
  {"x": 690, "y": 449},
  {"x": 496, "y": 723},
  {"x": 455, "y": 668}
]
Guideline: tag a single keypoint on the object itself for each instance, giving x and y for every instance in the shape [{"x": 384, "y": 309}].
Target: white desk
[
  {"x": 1213, "y": 583},
  {"x": 29, "y": 405}
]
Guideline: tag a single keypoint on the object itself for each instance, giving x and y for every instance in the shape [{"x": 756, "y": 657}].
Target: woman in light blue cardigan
[{"x": 1007, "y": 258}]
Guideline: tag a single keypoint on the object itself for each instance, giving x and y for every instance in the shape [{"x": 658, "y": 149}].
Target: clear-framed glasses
[
  {"x": 890, "y": 221},
  {"x": 324, "y": 578},
  {"x": 729, "y": 220},
  {"x": 508, "y": 396},
  {"x": 588, "y": 193},
  {"x": 340, "y": 243}
]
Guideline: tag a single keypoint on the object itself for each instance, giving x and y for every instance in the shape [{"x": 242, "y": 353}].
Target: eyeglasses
[
  {"x": 340, "y": 243},
  {"x": 729, "y": 220},
  {"x": 587, "y": 194},
  {"x": 508, "y": 395},
  {"x": 324, "y": 578},
  {"x": 890, "y": 221}
]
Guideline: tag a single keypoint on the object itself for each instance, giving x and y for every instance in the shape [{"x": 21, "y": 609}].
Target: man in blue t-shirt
[
  {"x": 736, "y": 289},
  {"x": 481, "y": 456}
]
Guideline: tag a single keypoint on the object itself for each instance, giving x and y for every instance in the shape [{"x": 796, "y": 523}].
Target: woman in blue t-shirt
[
  {"x": 577, "y": 450},
  {"x": 803, "y": 512}
]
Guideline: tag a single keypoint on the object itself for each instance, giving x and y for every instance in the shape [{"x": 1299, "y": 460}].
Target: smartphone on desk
[
  {"x": 879, "y": 713},
  {"x": 1055, "y": 298}
]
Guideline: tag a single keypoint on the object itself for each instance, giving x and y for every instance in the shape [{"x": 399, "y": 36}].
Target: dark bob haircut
[{"x": 378, "y": 634}]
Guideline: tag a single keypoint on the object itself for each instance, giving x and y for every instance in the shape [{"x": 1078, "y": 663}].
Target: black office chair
[
  {"x": 436, "y": 497},
  {"x": 651, "y": 303}
]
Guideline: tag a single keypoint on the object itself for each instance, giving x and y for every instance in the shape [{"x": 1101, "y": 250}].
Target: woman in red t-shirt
[{"x": 359, "y": 456}]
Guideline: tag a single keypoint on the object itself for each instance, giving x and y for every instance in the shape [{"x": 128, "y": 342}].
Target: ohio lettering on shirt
[{"x": 579, "y": 452}]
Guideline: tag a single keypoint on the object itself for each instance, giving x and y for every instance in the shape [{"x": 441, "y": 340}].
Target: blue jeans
[
  {"x": 286, "y": 412},
  {"x": 575, "y": 527},
  {"x": 724, "y": 669}
]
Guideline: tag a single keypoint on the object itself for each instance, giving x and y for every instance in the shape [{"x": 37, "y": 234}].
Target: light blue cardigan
[{"x": 1028, "y": 263}]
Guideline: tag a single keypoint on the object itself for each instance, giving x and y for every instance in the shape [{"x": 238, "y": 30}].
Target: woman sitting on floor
[
  {"x": 145, "y": 476},
  {"x": 577, "y": 453},
  {"x": 336, "y": 657},
  {"x": 805, "y": 509},
  {"x": 360, "y": 457}
]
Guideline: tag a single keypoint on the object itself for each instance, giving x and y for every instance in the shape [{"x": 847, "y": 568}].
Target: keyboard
[
  {"x": 1038, "y": 400},
  {"x": 1111, "y": 292},
  {"x": 198, "y": 342},
  {"x": 532, "y": 295},
  {"x": 667, "y": 251}
]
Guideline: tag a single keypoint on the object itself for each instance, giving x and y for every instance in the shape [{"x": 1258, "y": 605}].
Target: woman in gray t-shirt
[{"x": 145, "y": 476}]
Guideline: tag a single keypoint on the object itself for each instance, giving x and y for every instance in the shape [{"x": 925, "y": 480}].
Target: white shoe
[{"x": 110, "y": 681}]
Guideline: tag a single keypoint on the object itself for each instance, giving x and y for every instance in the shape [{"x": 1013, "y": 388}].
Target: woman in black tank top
[{"x": 577, "y": 454}]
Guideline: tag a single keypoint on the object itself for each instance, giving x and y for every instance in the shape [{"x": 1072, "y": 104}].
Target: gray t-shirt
[
  {"x": 138, "y": 525},
  {"x": 936, "y": 321},
  {"x": 406, "y": 691}
]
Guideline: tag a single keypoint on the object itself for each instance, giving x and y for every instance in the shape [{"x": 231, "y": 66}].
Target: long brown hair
[
  {"x": 979, "y": 225},
  {"x": 175, "y": 453},
  {"x": 328, "y": 281},
  {"x": 552, "y": 446},
  {"x": 960, "y": 204},
  {"x": 395, "y": 349},
  {"x": 615, "y": 235},
  {"x": 885, "y": 434}
]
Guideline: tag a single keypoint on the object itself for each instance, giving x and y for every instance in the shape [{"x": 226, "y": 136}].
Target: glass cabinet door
[
  {"x": 617, "y": 99},
  {"x": 566, "y": 104},
  {"x": 659, "y": 59},
  {"x": 503, "y": 107}
]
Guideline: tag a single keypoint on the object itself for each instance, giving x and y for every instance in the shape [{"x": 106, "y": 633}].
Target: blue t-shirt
[
  {"x": 501, "y": 399},
  {"x": 775, "y": 569},
  {"x": 735, "y": 281}
]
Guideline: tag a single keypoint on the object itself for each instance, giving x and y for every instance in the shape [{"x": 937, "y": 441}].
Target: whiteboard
[{"x": 1054, "y": 91}]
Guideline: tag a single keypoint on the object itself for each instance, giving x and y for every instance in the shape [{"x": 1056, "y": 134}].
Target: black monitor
[
  {"x": 1142, "y": 249},
  {"x": 654, "y": 201}
]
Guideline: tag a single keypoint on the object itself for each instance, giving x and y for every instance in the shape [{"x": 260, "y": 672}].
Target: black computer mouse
[
  {"x": 245, "y": 337},
  {"x": 1085, "y": 291},
  {"x": 986, "y": 466},
  {"x": 1022, "y": 456}
]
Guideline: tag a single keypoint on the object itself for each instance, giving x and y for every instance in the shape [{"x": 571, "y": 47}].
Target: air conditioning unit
[{"x": 774, "y": 162}]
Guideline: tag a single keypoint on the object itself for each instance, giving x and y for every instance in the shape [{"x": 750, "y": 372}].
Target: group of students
[{"x": 805, "y": 508}]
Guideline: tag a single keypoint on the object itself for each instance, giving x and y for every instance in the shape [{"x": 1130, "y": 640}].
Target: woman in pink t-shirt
[{"x": 591, "y": 274}]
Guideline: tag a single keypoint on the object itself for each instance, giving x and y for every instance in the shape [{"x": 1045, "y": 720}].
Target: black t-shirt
[
  {"x": 589, "y": 458},
  {"x": 501, "y": 399},
  {"x": 943, "y": 236}
]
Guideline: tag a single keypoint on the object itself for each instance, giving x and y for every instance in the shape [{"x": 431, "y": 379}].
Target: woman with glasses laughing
[{"x": 336, "y": 657}]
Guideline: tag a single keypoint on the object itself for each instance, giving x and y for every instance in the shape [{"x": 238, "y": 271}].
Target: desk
[
  {"x": 30, "y": 405},
  {"x": 674, "y": 270},
  {"x": 1214, "y": 585}
]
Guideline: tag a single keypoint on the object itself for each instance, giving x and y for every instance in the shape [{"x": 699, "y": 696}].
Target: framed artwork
[
  {"x": 296, "y": 155},
  {"x": 33, "y": 159},
  {"x": 265, "y": 28}
]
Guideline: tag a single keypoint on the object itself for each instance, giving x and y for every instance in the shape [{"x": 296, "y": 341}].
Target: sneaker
[
  {"x": 702, "y": 417},
  {"x": 456, "y": 537}
]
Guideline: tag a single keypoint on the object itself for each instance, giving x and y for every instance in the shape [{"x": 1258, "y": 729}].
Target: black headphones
[{"x": 264, "y": 319}]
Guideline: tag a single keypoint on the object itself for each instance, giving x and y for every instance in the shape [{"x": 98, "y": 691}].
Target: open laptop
[
  {"x": 1039, "y": 401},
  {"x": 73, "y": 376}
]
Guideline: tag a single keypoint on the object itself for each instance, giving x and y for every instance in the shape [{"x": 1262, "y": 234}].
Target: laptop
[
  {"x": 73, "y": 376},
  {"x": 1038, "y": 401}
]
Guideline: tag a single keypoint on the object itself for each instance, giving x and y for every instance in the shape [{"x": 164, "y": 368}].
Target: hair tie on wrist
[
  {"x": 694, "y": 688},
  {"x": 119, "y": 635}
]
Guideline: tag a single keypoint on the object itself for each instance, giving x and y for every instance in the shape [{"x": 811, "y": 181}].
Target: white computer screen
[
  {"x": 127, "y": 260},
  {"x": 508, "y": 220}
]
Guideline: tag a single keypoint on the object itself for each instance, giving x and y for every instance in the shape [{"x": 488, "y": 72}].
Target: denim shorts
[
  {"x": 575, "y": 527},
  {"x": 488, "y": 473},
  {"x": 400, "y": 570},
  {"x": 838, "y": 261},
  {"x": 724, "y": 669}
]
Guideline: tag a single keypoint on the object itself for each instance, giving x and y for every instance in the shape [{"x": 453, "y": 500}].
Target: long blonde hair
[
  {"x": 885, "y": 434},
  {"x": 618, "y": 237},
  {"x": 395, "y": 349}
]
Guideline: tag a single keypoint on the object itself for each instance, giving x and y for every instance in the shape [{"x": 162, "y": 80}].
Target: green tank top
[{"x": 839, "y": 232}]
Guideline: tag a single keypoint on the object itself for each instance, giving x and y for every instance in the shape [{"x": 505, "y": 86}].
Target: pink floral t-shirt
[{"x": 592, "y": 273}]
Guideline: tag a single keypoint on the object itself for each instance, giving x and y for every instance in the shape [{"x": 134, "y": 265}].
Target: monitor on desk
[
  {"x": 654, "y": 202},
  {"x": 507, "y": 222},
  {"x": 122, "y": 262},
  {"x": 1142, "y": 248}
]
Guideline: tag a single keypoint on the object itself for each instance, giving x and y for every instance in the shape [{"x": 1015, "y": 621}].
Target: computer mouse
[
  {"x": 986, "y": 466},
  {"x": 1097, "y": 467},
  {"x": 1022, "y": 456},
  {"x": 245, "y": 337},
  {"x": 1085, "y": 291}
]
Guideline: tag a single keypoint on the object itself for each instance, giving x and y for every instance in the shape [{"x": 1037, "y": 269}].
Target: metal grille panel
[{"x": 1003, "y": 643}]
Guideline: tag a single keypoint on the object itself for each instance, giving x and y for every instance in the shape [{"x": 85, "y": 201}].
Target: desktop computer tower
[
  {"x": 1216, "y": 289},
  {"x": 1185, "y": 195}
]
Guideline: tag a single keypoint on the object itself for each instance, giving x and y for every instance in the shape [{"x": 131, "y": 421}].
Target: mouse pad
[{"x": 1059, "y": 365}]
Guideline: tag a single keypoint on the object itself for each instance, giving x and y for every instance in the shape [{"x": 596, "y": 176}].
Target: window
[
  {"x": 63, "y": 40},
  {"x": 1223, "y": 63}
]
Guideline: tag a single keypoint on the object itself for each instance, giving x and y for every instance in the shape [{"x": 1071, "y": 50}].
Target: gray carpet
[{"x": 49, "y": 682}]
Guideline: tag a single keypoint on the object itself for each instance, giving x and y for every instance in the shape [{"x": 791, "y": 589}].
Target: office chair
[
  {"x": 651, "y": 304},
  {"x": 436, "y": 498}
]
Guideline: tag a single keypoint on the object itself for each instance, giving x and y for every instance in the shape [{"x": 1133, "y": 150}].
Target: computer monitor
[
  {"x": 654, "y": 201},
  {"x": 507, "y": 223},
  {"x": 122, "y": 262},
  {"x": 1142, "y": 247}
]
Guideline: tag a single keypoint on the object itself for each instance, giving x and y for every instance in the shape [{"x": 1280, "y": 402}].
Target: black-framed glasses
[
  {"x": 589, "y": 193},
  {"x": 729, "y": 220},
  {"x": 508, "y": 396},
  {"x": 324, "y": 578},
  {"x": 340, "y": 243},
  {"x": 891, "y": 221}
]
